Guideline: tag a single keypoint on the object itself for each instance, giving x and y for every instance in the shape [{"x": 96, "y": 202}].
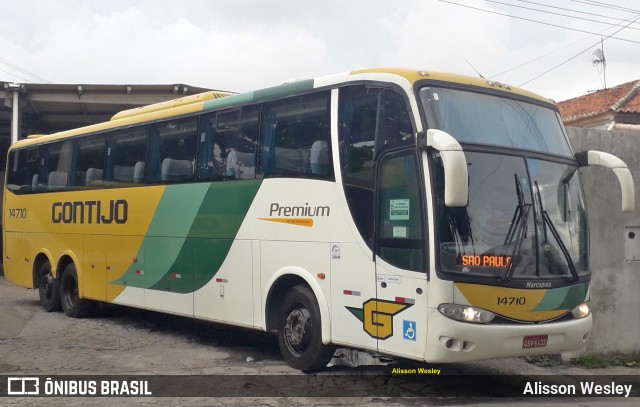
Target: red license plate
[{"x": 535, "y": 341}]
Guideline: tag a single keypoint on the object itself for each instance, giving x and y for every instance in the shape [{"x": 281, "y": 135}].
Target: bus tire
[
  {"x": 300, "y": 332},
  {"x": 72, "y": 305},
  {"x": 48, "y": 288}
]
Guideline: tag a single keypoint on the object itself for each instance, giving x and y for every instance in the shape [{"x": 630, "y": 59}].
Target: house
[{"x": 616, "y": 108}]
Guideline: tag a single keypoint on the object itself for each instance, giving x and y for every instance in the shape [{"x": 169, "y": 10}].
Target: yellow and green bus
[{"x": 416, "y": 214}]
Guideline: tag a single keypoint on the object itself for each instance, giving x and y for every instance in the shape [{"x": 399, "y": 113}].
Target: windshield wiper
[
  {"x": 518, "y": 229},
  {"x": 548, "y": 222}
]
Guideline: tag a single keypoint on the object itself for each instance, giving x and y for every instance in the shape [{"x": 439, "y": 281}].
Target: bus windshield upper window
[{"x": 485, "y": 119}]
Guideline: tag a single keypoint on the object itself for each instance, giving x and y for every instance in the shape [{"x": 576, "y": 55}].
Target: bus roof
[
  {"x": 217, "y": 100},
  {"x": 187, "y": 100},
  {"x": 414, "y": 76}
]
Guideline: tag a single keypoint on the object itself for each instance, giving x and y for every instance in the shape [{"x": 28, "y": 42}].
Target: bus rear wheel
[
  {"x": 48, "y": 288},
  {"x": 299, "y": 331},
  {"x": 72, "y": 305}
]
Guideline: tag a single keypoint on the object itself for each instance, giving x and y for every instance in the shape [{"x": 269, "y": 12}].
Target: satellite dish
[{"x": 598, "y": 57}]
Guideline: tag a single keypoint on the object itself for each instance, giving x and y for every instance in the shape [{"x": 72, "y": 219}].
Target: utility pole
[{"x": 15, "y": 106}]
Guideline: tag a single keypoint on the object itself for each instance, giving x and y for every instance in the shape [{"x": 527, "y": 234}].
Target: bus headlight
[
  {"x": 581, "y": 311},
  {"x": 466, "y": 313}
]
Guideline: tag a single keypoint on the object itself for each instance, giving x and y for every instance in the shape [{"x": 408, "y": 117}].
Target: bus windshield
[
  {"x": 526, "y": 217},
  {"x": 485, "y": 119}
]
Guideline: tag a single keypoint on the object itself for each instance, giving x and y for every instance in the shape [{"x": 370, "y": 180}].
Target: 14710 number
[
  {"x": 511, "y": 300},
  {"x": 18, "y": 213}
]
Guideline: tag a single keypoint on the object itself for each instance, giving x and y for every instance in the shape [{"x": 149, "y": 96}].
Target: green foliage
[{"x": 610, "y": 359}]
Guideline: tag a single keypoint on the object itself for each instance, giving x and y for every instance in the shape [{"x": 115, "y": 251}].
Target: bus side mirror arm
[
  {"x": 619, "y": 168},
  {"x": 456, "y": 177}
]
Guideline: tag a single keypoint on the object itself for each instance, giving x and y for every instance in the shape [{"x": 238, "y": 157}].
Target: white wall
[{"x": 615, "y": 258}]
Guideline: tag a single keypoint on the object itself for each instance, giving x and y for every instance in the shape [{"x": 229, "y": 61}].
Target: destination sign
[{"x": 485, "y": 260}]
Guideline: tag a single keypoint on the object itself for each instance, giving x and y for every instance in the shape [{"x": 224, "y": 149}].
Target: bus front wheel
[
  {"x": 299, "y": 331},
  {"x": 48, "y": 288},
  {"x": 72, "y": 305}
]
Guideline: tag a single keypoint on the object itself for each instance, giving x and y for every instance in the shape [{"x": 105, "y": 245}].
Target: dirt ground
[{"x": 124, "y": 341}]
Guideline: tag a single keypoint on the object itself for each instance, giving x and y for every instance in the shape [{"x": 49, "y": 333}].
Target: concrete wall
[{"x": 615, "y": 257}]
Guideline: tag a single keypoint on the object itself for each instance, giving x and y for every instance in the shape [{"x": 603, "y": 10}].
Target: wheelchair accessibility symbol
[{"x": 409, "y": 330}]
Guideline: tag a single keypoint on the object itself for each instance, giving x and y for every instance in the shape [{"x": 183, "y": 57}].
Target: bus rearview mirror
[
  {"x": 456, "y": 177},
  {"x": 619, "y": 168}
]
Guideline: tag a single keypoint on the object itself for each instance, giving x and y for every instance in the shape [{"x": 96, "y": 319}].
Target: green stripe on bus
[
  {"x": 284, "y": 90},
  {"x": 177, "y": 209},
  {"x": 563, "y": 298},
  {"x": 233, "y": 100},
  {"x": 191, "y": 234},
  {"x": 273, "y": 92},
  {"x": 222, "y": 212},
  {"x": 165, "y": 237}
]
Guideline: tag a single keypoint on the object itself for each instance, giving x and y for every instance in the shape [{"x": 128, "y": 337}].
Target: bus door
[
  {"x": 398, "y": 319},
  {"x": 352, "y": 292}
]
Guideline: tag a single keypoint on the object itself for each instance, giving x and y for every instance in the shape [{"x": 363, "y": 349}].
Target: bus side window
[
  {"x": 245, "y": 142},
  {"x": 127, "y": 155},
  {"x": 90, "y": 159},
  {"x": 172, "y": 150},
  {"x": 56, "y": 168},
  {"x": 370, "y": 120},
  {"x": 296, "y": 134},
  {"x": 228, "y": 144},
  {"x": 24, "y": 170},
  {"x": 210, "y": 161},
  {"x": 400, "y": 231}
]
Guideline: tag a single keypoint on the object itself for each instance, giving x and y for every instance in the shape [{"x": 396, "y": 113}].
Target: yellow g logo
[{"x": 377, "y": 316}]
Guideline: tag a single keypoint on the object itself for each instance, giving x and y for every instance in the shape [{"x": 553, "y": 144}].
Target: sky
[{"x": 242, "y": 45}]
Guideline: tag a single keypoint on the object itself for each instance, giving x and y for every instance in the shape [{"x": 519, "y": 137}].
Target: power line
[
  {"x": 538, "y": 58},
  {"x": 536, "y": 21},
  {"x": 578, "y": 54},
  {"x": 606, "y": 5},
  {"x": 563, "y": 15},
  {"x": 630, "y": 20},
  {"x": 14, "y": 75},
  {"x": 572, "y": 10},
  {"x": 23, "y": 70}
]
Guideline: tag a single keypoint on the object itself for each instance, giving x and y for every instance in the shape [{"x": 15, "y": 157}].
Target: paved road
[{"x": 123, "y": 341}]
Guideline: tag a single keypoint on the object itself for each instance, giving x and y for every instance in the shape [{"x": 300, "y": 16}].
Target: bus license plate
[{"x": 536, "y": 341}]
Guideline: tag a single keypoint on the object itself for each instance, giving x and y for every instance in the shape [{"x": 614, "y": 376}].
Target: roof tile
[{"x": 622, "y": 98}]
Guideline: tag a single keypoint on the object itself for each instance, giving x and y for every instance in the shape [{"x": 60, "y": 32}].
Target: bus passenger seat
[
  {"x": 138, "y": 172},
  {"x": 93, "y": 174},
  {"x": 176, "y": 169},
  {"x": 58, "y": 178},
  {"x": 122, "y": 173},
  {"x": 319, "y": 158},
  {"x": 34, "y": 180}
]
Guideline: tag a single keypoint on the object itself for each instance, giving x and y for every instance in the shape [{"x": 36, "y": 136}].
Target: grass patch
[
  {"x": 545, "y": 360},
  {"x": 596, "y": 361},
  {"x": 608, "y": 360}
]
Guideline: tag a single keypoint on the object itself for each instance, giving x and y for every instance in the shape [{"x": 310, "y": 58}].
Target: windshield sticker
[
  {"x": 400, "y": 231},
  {"x": 399, "y": 209}
]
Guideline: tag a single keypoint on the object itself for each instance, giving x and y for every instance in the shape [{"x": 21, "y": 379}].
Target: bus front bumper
[{"x": 454, "y": 341}]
